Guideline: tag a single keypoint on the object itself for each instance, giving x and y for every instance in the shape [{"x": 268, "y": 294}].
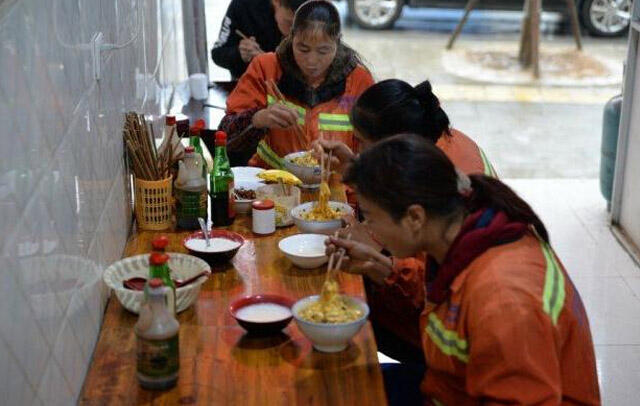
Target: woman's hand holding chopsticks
[
  {"x": 341, "y": 154},
  {"x": 361, "y": 258},
  {"x": 249, "y": 48},
  {"x": 276, "y": 115}
]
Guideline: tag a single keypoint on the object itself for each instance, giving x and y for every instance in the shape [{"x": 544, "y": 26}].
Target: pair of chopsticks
[
  {"x": 140, "y": 142},
  {"x": 241, "y": 35},
  {"x": 325, "y": 165},
  {"x": 340, "y": 253},
  {"x": 272, "y": 89}
]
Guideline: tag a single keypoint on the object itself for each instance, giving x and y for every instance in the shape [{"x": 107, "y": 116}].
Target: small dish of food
[
  {"x": 309, "y": 219},
  {"x": 262, "y": 314},
  {"x": 245, "y": 194},
  {"x": 223, "y": 245},
  {"x": 304, "y": 166},
  {"x": 306, "y": 251},
  {"x": 332, "y": 324}
]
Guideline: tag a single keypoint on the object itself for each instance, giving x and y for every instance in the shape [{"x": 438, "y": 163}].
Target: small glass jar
[{"x": 264, "y": 217}]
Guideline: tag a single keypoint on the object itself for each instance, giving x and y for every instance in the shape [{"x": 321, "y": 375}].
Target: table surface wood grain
[{"x": 219, "y": 363}]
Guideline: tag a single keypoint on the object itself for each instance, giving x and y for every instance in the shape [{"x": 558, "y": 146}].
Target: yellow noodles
[
  {"x": 322, "y": 211},
  {"x": 305, "y": 160},
  {"x": 331, "y": 307}
]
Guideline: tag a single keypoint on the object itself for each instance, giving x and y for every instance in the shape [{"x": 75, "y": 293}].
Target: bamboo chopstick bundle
[{"x": 147, "y": 164}]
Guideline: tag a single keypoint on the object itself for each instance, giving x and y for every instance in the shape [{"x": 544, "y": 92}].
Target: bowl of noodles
[
  {"x": 304, "y": 166},
  {"x": 330, "y": 325},
  {"x": 314, "y": 218}
]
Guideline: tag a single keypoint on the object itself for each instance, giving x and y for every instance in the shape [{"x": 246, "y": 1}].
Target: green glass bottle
[
  {"x": 221, "y": 184},
  {"x": 159, "y": 268},
  {"x": 194, "y": 141}
]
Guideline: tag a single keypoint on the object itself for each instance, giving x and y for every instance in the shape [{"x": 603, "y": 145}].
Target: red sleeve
[{"x": 407, "y": 280}]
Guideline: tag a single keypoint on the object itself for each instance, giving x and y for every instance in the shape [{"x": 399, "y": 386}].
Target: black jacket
[{"x": 254, "y": 18}]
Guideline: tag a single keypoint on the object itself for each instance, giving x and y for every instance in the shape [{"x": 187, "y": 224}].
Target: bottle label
[
  {"x": 190, "y": 205},
  {"x": 158, "y": 358}
]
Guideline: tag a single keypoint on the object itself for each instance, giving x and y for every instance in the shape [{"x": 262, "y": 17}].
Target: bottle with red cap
[
  {"x": 221, "y": 185},
  {"x": 157, "y": 334},
  {"x": 159, "y": 268},
  {"x": 194, "y": 141},
  {"x": 190, "y": 191}
]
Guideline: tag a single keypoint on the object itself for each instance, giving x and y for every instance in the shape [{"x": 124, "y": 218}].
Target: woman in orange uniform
[
  {"x": 319, "y": 76},
  {"x": 502, "y": 323},
  {"x": 387, "y": 108}
]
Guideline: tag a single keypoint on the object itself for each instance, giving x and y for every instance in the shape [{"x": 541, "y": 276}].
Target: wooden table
[{"x": 221, "y": 365}]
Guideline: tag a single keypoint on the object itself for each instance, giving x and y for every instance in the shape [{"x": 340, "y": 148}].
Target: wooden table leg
[
  {"x": 524, "y": 55},
  {"x": 575, "y": 25},
  {"x": 467, "y": 10}
]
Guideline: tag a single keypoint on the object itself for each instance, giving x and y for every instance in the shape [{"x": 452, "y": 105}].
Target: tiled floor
[{"x": 607, "y": 278}]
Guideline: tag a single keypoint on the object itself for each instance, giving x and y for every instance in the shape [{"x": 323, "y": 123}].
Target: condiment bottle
[
  {"x": 194, "y": 141},
  {"x": 157, "y": 333},
  {"x": 264, "y": 217},
  {"x": 191, "y": 191},
  {"x": 221, "y": 185},
  {"x": 158, "y": 268}
]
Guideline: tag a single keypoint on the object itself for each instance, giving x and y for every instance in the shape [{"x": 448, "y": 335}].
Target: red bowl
[
  {"x": 261, "y": 328},
  {"x": 218, "y": 257}
]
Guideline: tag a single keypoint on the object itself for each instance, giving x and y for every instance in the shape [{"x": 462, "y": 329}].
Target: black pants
[{"x": 402, "y": 383}]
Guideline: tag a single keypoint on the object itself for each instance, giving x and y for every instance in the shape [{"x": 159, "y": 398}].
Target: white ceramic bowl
[
  {"x": 182, "y": 266},
  {"x": 319, "y": 227},
  {"x": 309, "y": 175},
  {"x": 243, "y": 206},
  {"x": 246, "y": 173},
  {"x": 327, "y": 337},
  {"x": 306, "y": 251}
]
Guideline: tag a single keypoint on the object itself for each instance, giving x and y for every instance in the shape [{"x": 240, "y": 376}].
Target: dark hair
[
  {"x": 395, "y": 107},
  {"x": 405, "y": 170},
  {"x": 315, "y": 13},
  {"x": 292, "y": 5}
]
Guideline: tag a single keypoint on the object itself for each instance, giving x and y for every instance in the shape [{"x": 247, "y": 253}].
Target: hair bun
[{"x": 427, "y": 99}]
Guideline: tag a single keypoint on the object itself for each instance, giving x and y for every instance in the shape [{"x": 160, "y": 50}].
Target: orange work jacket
[
  {"x": 397, "y": 305},
  {"x": 331, "y": 117},
  {"x": 514, "y": 331}
]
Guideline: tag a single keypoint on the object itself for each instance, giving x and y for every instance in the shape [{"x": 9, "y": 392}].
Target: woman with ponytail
[
  {"x": 502, "y": 322},
  {"x": 385, "y": 109}
]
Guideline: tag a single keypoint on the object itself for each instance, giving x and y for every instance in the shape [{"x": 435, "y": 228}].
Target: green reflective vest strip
[
  {"x": 447, "y": 340},
  {"x": 488, "y": 168},
  {"x": 268, "y": 156},
  {"x": 301, "y": 111},
  {"x": 554, "y": 293},
  {"x": 334, "y": 122}
]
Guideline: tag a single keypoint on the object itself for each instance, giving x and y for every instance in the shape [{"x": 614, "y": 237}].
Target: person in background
[
  {"x": 502, "y": 321},
  {"x": 263, "y": 22},
  {"x": 388, "y": 108},
  {"x": 319, "y": 77}
]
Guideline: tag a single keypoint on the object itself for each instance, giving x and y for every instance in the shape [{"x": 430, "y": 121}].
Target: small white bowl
[
  {"x": 182, "y": 266},
  {"x": 319, "y": 227},
  {"x": 327, "y": 337},
  {"x": 246, "y": 173},
  {"x": 309, "y": 175},
  {"x": 306, "y": 251},
  {"x": 243, "y": 206}
]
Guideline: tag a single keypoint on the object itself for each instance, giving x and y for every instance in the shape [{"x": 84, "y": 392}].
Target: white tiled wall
[{"x": 64, "y": 211}]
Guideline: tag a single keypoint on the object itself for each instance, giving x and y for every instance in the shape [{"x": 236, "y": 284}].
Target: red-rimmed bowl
[
  {"x": 262, "y": 321},
  {"x": 213, "y": 257}
]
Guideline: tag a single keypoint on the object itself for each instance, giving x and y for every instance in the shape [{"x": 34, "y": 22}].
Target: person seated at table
[
  {"x": 250, "y": 28},
  {"x": 319, "y": 78},
  {"x": 502, "y": 322},
  {"x": 387, "y": 108}
]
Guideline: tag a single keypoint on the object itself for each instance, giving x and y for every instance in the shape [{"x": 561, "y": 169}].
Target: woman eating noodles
[
  {"x": 307, "y": 87},
  {"x": 502, "y": 322},
  {"x": 387, "y": 108}
]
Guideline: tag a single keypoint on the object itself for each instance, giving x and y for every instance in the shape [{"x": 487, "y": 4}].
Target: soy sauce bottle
[{"x": 221, "y": 185}]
